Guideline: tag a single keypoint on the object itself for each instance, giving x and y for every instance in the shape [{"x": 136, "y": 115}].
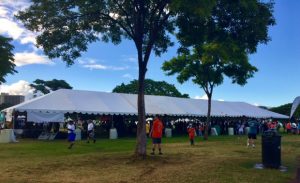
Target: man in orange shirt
[
  {"x": 156, "y": 134},
  {"x": 288, "y": 127},
  {"x": 191, "y": 130}
]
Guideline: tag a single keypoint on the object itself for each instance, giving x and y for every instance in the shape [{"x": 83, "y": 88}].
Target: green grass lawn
[{"x": 220, "y": 159}]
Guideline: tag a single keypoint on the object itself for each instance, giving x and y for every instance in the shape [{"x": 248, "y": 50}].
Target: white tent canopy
[{"x": 89, "y": 102}]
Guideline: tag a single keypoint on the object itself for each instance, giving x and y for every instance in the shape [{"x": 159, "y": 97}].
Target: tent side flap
[{"x": 39, "y": 117}]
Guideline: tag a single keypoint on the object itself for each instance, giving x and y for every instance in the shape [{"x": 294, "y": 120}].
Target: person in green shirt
[{"x": 253, "y": 124}]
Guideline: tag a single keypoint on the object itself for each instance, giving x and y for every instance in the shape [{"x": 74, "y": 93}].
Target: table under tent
[{"x": 112, "y": 108}]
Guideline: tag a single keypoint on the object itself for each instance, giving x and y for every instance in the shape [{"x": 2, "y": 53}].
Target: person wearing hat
[{"x": 71, "y": 133}]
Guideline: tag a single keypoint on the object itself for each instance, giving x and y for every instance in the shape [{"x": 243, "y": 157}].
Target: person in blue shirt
[{"x": 253, "y": 124}]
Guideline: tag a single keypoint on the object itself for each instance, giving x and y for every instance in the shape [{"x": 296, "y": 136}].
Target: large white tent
[{"x": 53, "y": 106}]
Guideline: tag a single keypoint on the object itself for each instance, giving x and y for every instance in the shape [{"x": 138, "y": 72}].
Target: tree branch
[
  {"x": 126, "y": 15},
  {"x": 153, "y": 36},
  {"x": 130, "y": 34}
]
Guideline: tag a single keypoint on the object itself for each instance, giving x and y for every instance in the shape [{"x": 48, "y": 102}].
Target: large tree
[
  {"x": 7, "y": 65},
  {"x": 67, "y": 27},
  {"x": 152, "y": 87},
  {"x": 218, "y": 45},
  {"x": 48, "y": 86}
]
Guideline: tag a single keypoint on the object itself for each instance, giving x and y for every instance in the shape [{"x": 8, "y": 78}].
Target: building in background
[{"x": 5, "y": 98}]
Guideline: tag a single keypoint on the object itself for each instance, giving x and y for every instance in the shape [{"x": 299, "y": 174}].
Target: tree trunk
[
  {"x": 141, "y": 146},
  {"x": 208, "y": 117}
]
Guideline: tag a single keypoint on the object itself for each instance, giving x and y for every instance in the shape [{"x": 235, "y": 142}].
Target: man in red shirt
[
  {"x": 288, "y": 127},
  {"x": 156, "y": 134},
  {"x": 191, "y": 130}
]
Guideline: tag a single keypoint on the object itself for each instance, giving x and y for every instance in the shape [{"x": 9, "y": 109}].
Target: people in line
[{"x": 156, "y": 134}]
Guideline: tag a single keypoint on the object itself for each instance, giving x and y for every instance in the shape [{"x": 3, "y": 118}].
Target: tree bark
[
  {"x": 141, "y": 145},
  {"x": 208, "y": 116}
]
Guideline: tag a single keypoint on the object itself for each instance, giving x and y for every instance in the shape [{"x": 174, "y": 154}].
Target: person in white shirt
[
  {"x": 241, "y": 129},
  {"x": 91, "y": 132},
  {"x": 71, "y": 133}
]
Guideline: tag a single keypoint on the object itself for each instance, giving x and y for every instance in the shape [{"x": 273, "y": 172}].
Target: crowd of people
[
  {"x": 155, "y": 128},
  {"x": 239, "y": 127}
]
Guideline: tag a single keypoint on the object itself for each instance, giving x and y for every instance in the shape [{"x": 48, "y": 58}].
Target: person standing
[
  {"x": 147, "y": 128},
  {"x": 253, "y": 124},
  {"x": 156, "y": 134},
  {"x": 298, "y": 128},
  {"x": 288, "y": 127},
  {"x": 241, "y": 129},
  {"x": 91, "y": 132},
  {"x": 265, "y": 126},
  {"x": 191, "y": 130},
  {"x": 71, "y": 133}
]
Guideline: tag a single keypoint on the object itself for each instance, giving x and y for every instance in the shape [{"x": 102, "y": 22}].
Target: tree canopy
[
  {"x": 69, "y": 26},
  {"x": 286, "y": 110},
  {"x": 6, "y": 58},
  {"x": 48, "y": 86},
  {"x": 218, "y": 45},
  {"x": 152, "y": 87}
]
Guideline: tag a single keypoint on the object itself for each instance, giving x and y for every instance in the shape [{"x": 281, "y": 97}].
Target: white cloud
[
  {"x": 19, "y": 88},
  {"x": 3, "y": 11},
  {"x": 256, "y": 104},
  {"x": 103, "y": 67},
  {"x": 29, "y": 38},
  {"x": 130, "y": 58},
  {"x": 10, "y": 26},
  {"x": 118, "y": 68},
  {"x": 204, "y": 97},
  {"x": 15, "y": 4},
  {"x": 95, "y": 66},
  {"x": 92, "y": 64},
  {"x": 87, "y": 61},
  {"x": 129, "y": 76},
  {"x": 26, "y": 58}
]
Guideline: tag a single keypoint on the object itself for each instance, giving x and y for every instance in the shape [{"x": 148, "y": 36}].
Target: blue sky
[{"x": 105, "y": 65}]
